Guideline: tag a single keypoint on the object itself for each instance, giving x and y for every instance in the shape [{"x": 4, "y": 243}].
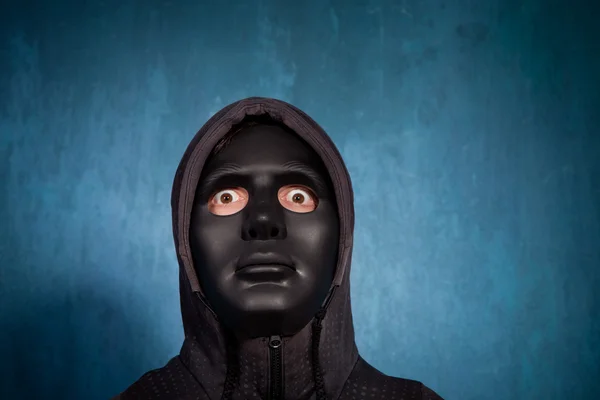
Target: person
[{"x": 263, "y": 221}]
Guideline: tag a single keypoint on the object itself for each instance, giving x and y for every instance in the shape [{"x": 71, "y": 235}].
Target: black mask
[{"x": 264, "y": 232}]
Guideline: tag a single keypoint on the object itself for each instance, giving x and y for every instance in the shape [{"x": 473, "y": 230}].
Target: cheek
[
  {"x": 317, "y": 237},
  {"x": 215, "y": 239}
]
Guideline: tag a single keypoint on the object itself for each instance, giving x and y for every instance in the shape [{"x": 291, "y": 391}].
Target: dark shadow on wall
[{"x": 73, "y": 345}]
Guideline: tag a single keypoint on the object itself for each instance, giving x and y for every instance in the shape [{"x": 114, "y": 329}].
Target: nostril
[
  {"x": 252, "y": 233},
  {"x": 274, "y": 231}
]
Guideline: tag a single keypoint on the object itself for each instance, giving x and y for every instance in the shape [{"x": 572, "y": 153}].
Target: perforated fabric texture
[
  {"x": 365, "y": 383},
  {"x": 206, "y": 360}
]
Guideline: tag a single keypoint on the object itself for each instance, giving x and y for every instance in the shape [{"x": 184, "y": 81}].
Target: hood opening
[{"x": 260, "y": 110}]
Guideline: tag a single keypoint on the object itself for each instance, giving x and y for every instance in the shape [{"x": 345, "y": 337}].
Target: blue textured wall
[{"x": 470, "y": 129}]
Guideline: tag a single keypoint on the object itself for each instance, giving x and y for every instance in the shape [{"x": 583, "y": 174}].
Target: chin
[
  {"x": 266, "y": 298},
  {"x": 270, "y": 312}
]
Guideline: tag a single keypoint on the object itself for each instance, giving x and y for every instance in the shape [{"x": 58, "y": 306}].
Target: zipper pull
[{"x": 275, "y": 342}]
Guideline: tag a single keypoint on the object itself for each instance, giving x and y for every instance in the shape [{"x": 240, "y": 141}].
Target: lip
[
  {"x": 265, "y": 273},
  {"x": 264, "y": 262}
]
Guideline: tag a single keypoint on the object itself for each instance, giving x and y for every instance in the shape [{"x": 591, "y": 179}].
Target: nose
[{"x": 264, "y": 222}]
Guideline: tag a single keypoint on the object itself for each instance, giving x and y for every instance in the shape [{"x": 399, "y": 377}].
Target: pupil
[
  {"x": 225, "y": 198},
  {"x": 298, "y": 197}
]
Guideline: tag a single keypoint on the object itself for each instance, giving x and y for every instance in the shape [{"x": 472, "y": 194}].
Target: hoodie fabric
[{"x": 319, "y": 362}]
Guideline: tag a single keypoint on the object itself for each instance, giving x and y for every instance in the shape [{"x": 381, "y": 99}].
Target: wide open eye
[
  {"x": 297, "y": 198},
  {"x": 228, "y": 201}
]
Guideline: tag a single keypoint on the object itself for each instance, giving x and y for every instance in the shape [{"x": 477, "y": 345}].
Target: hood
[{"x": 208, "y": 350}]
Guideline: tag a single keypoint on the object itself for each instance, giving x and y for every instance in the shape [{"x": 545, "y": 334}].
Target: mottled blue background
[{"x": 470, "y": 129}]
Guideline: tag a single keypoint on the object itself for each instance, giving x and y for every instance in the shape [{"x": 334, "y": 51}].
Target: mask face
[{"x": 264, "y": 232}]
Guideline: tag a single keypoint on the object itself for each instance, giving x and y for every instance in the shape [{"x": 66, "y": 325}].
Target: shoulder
[
  {"x": 173, "y": 381},
  {"x": 367, "y": 382}
]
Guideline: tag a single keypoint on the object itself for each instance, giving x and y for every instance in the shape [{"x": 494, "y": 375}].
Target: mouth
[
  {"x": 264, "y": 259},
  {"x": 261, "y": 267},
  {"x": 265, "y": 273}
]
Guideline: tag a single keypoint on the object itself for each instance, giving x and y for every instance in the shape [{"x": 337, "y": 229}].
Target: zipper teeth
[
  {"x": 276, "y": 387},
  {"x": 276, "y": 384}
]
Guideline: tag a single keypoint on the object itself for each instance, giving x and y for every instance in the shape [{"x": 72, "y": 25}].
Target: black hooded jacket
[{"x": 319, "y": 362}]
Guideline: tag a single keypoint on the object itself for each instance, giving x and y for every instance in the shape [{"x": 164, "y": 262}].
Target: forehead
[{"x": 268, "y": 145}]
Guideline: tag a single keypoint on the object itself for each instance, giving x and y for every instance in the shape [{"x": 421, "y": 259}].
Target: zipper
[{"x": 276, "y": 368}]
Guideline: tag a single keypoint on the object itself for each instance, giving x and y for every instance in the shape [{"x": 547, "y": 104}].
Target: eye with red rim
[
  {"x": 228, "y": 201},
  {"x": 296, "y": 198}
]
